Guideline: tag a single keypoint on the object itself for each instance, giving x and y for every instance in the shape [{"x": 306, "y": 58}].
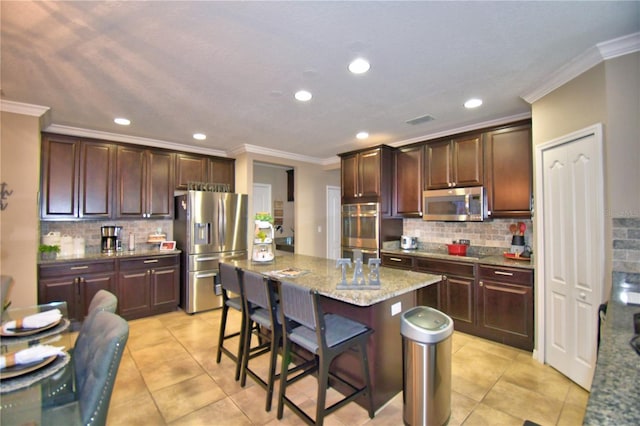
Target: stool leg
[
  {"x": 240, "y": 354},
  {"x": 273, "y": 358},
  {"x": 323, "y": 382},
  {"x": 367, "y": 377},
  {"x": 223, "y": 326},
  {"x": 286, "y": 348}
]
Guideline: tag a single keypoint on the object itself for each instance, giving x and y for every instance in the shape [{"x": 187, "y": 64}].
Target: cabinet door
[
  {"x": 96, "y": 180},
  {"x": 159, "y": 191},
  {"x": 59, "y": 186},
  {"x": 222, "y": 171},
  {"x": 164, "y": 289},
  {"x": 130, "y": 192},
  {"x": 190, "y": 168},
  {"x": 349, "y": 178},
  {"x": 508, "y": 156},
  {"x": 133, "y": 293},
  {"x": 61, "y": 289},
  {"x": 438, "y": 170},
  {"x": 90, "y": 285},
  {"x": 431, "y": 296},
  {"x": 459, "y": 301},
  {"x": 467, "y": 161},
  {"x": 505, "y": 313},
  {"x": 369, "y": 173},
  {"x": 408, "y": 183}
]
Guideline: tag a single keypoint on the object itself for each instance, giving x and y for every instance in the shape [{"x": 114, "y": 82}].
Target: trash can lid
[{"x": 425, "y": 325}]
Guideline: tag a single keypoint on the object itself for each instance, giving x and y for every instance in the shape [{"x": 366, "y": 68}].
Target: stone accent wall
[
  {"x": 626, "y": 245},
  {"x": 90, "y": 231}
]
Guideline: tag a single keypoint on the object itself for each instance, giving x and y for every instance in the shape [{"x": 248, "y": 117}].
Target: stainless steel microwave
[{"x": 455, "y": 204}]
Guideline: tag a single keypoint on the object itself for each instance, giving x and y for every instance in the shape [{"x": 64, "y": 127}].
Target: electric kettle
[{"x": 408, "y": 243}]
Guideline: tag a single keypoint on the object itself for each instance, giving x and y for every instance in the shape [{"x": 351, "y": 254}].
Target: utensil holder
[{"x": 517, "y": 244}]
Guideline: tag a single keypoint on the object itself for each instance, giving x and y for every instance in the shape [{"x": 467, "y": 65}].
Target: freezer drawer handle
[
  {"x": 509, "y": 274},
  {"x": 75, "y": 268},
  {"x": 211, "y": 274},
  {"x": 206, "y": 259},
  {"x": 151, "y": 261}
]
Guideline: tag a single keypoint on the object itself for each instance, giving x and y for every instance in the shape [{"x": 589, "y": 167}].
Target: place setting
[
  {"x": 22, "y": 368},
  {"x": 33, "y": 327}
]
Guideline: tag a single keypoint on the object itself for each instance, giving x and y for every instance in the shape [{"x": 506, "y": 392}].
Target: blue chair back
[
  {"x": 103, "y": 301},
  {"x": 297, "y": 304},
  {"x": 229, "y": 278},
  {"x": 255, "y": 289}
]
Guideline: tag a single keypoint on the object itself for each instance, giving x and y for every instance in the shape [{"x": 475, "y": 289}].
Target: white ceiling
[{"x": 229, "y": 69}]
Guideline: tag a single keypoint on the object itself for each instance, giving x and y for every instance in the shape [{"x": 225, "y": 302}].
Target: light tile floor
[{"x": 168, "y": 376}]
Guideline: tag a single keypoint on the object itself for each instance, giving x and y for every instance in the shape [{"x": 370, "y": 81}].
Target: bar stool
[
  {"x": 326, "y": 336},
  {"x": 261, "y": 307},
  {"x": 230, "y": 281}
]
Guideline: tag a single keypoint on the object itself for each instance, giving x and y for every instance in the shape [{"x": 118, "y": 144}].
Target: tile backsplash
[
  {"x": 90, "y": 231},
  {"x": 626, "y": 245},
  {"x": 490, "y": 237}
]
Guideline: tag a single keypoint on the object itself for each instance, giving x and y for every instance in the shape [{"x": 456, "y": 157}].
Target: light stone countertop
[
  {"x": 484, "y": 260},
  {"x": 125, "y": 254},
  {"x": 323, "y": 276}
]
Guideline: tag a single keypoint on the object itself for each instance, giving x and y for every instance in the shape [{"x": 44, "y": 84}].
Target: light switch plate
[{"x": 396, "y": 308}]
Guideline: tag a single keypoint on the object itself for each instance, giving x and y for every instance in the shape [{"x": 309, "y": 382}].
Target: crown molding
[
  {"x": 22, "y": 108},
  {"x": 253, "y": 149},
  {"x": 584, "y": 62},
  {"x": 116, "y": 137}
]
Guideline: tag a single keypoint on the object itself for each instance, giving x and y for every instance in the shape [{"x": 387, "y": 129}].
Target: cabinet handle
[
  {"x": 151, "y": 261},
  {"x": 508, "y": 274},
  {"x": 480, "y": 283},
  {"x": 209, "y": 275},
  {"x": 395, "y": 259},
  {"x": 75, "y": 268},
  {"x": 206, "y": 259}
]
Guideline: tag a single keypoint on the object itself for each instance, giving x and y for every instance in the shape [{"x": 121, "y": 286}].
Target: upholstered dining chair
[
  {"x": 96, "y": 358},
  {"x": 326, "y": 336},
  {"x": 103, "y": 300},
  {"x": 260, "y": 305}
]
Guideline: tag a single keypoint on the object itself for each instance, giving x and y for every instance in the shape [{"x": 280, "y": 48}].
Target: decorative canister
[
  {"x": 66, "y": 245},
  {"x": 78, "y": 246},
  {"x": 51, "y": 239}
]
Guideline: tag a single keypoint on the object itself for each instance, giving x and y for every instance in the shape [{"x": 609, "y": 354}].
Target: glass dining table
[{"x": 43, "y": 392}]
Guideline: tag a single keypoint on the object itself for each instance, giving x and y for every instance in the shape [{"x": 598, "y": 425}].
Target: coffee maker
[{"x": 110, "y": 238}]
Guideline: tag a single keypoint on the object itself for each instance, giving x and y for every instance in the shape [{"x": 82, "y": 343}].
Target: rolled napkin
[
  {"x": 38, "y": 320},
  {"x": 29, "y": 355}
]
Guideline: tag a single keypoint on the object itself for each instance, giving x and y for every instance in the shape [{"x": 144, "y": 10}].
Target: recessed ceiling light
[
  {"x": 199, "y": 136},
  {"x": 362, "y": 135},
  {"x": 359, "y": 66},
  {"x": 122, "y": 121},
  {"x": 303, "y": 95},
  {"x": 473, "y": 103}
]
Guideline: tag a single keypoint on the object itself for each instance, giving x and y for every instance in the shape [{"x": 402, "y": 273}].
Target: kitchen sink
[{"x": 285, "y": 244}]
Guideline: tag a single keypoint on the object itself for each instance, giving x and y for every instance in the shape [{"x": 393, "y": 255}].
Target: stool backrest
[
  {"x": 229, "y": 278},
  {"x": 255, "y": 289},
  {"x": 297, "y": 303}
]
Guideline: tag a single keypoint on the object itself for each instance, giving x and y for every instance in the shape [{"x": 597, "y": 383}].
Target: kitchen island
[{"x": 379, "y": 309}]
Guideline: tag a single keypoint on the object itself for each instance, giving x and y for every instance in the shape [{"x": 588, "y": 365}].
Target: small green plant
[
  {"x": 264, "y": 217},
  {"x": 43, "y": 248},
  {"x": 261, "y": 235}
]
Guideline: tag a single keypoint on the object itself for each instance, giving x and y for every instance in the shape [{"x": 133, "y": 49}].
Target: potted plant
[
  {"x": 48, "y": 252},
  {"x": 263, "y": 219}
]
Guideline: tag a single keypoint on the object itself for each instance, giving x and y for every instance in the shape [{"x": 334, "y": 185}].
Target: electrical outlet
[{"x": 396, "y": 308}]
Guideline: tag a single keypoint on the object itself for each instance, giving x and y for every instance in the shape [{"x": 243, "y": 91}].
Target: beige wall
[
  {"x": 277, "y": 178},
  {"x": 19, "y": 224}
]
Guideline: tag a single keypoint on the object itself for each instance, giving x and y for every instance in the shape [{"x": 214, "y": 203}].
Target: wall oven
[
  {"x": 455, "y": 205},
  {"x": 360, "y": 228}
]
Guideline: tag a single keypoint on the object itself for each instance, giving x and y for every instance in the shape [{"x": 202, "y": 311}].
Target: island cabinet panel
[
  {"x": 454, "y": 163},
  {"x": 148, "y": 286},
  {"x": 190, "y": 168},
  {"x": 367, "y": 177},
  {"x": 144, "y": 183},
  {"x": 409, "y": 166},
  {"x": 509, "y": 171},
  {"x": 75, "y": 283},
  {"x": 77, "y": 178},
  {"x": 505, "y": 305}
]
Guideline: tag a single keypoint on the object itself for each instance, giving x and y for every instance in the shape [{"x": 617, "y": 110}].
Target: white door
[
  {"x": 333, "y": 222},
  {"x": 261, "y": 198},
  {"x": 572, "y": 215}
]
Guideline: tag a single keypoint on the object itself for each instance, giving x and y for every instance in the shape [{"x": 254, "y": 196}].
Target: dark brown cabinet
[
  {"x": 190, "y": 168},
  {"x": 148, "y": 286},
  {"x": 367, "y": 177},
  {"x": 222, "y": 171},
  {"x": 508, "y": 180},
  {"x": 505, "y": 305},
  {"x": 397, "y": 261},
  {"x": 455, "y": 294},
  {"x": 409, "y": 166},
  {"x": 77, "y": 178},
  {"x": 144, "y": 183},
  {"x": 454, "y": 163},
  {"x": 75, "y": 283}
]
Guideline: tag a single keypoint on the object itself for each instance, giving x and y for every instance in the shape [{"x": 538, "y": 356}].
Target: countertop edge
[
  {"x": 90, "y": 257},
  {"x": 485, "y": 260}
]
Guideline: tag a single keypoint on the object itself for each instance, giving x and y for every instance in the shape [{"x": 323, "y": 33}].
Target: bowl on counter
[{"x": 457, "y": 249}]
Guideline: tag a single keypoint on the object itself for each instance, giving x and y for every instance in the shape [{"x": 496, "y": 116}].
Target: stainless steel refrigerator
[{"x": 208, "y": 227}]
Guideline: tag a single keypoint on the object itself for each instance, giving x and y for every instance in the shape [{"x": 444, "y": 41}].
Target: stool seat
[{"x": 338, "y": 330}]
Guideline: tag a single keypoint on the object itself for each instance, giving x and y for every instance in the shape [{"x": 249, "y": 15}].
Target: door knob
[{"x": 583, "y": 295}]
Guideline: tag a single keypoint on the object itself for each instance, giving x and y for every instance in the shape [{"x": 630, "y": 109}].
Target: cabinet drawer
[
  {"x": 437, "y": 266},
  {"x": 397, "y": 261},
  {"x": 505, "y": 274},
  {"x": 76, "y": 268},
  {"x": 150, "y": 262}
]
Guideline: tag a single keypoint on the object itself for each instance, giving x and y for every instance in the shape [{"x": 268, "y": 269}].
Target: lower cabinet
[
  {"x": 505, "y": 305},
  {"x": 148, "y": 286},
  {"x": 75, "y": 283},
  {"x": 144, "y": 285}
]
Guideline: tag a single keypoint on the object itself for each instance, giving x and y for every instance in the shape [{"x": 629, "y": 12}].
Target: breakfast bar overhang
[{"x": 379, "y": 309}]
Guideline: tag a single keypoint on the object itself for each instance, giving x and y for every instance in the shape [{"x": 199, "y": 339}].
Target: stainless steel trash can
[{"x": 426, "y": 366}]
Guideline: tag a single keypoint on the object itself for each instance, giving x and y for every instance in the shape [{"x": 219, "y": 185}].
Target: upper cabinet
[
  {"x": 367, "y": 177},
  {"x": 202, "y": 168},
  {"x": 222, "y": 170},
  {"x": 508, "y": 160},
  {"x": 454, "y": 163},
  {"x": 144, "y": 183},
  {"x": 409, "y": 165},
  {"x": 77, "y": 178}
]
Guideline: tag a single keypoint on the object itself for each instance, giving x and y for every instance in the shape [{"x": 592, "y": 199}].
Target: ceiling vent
[{"x": 419, "y": 120}]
